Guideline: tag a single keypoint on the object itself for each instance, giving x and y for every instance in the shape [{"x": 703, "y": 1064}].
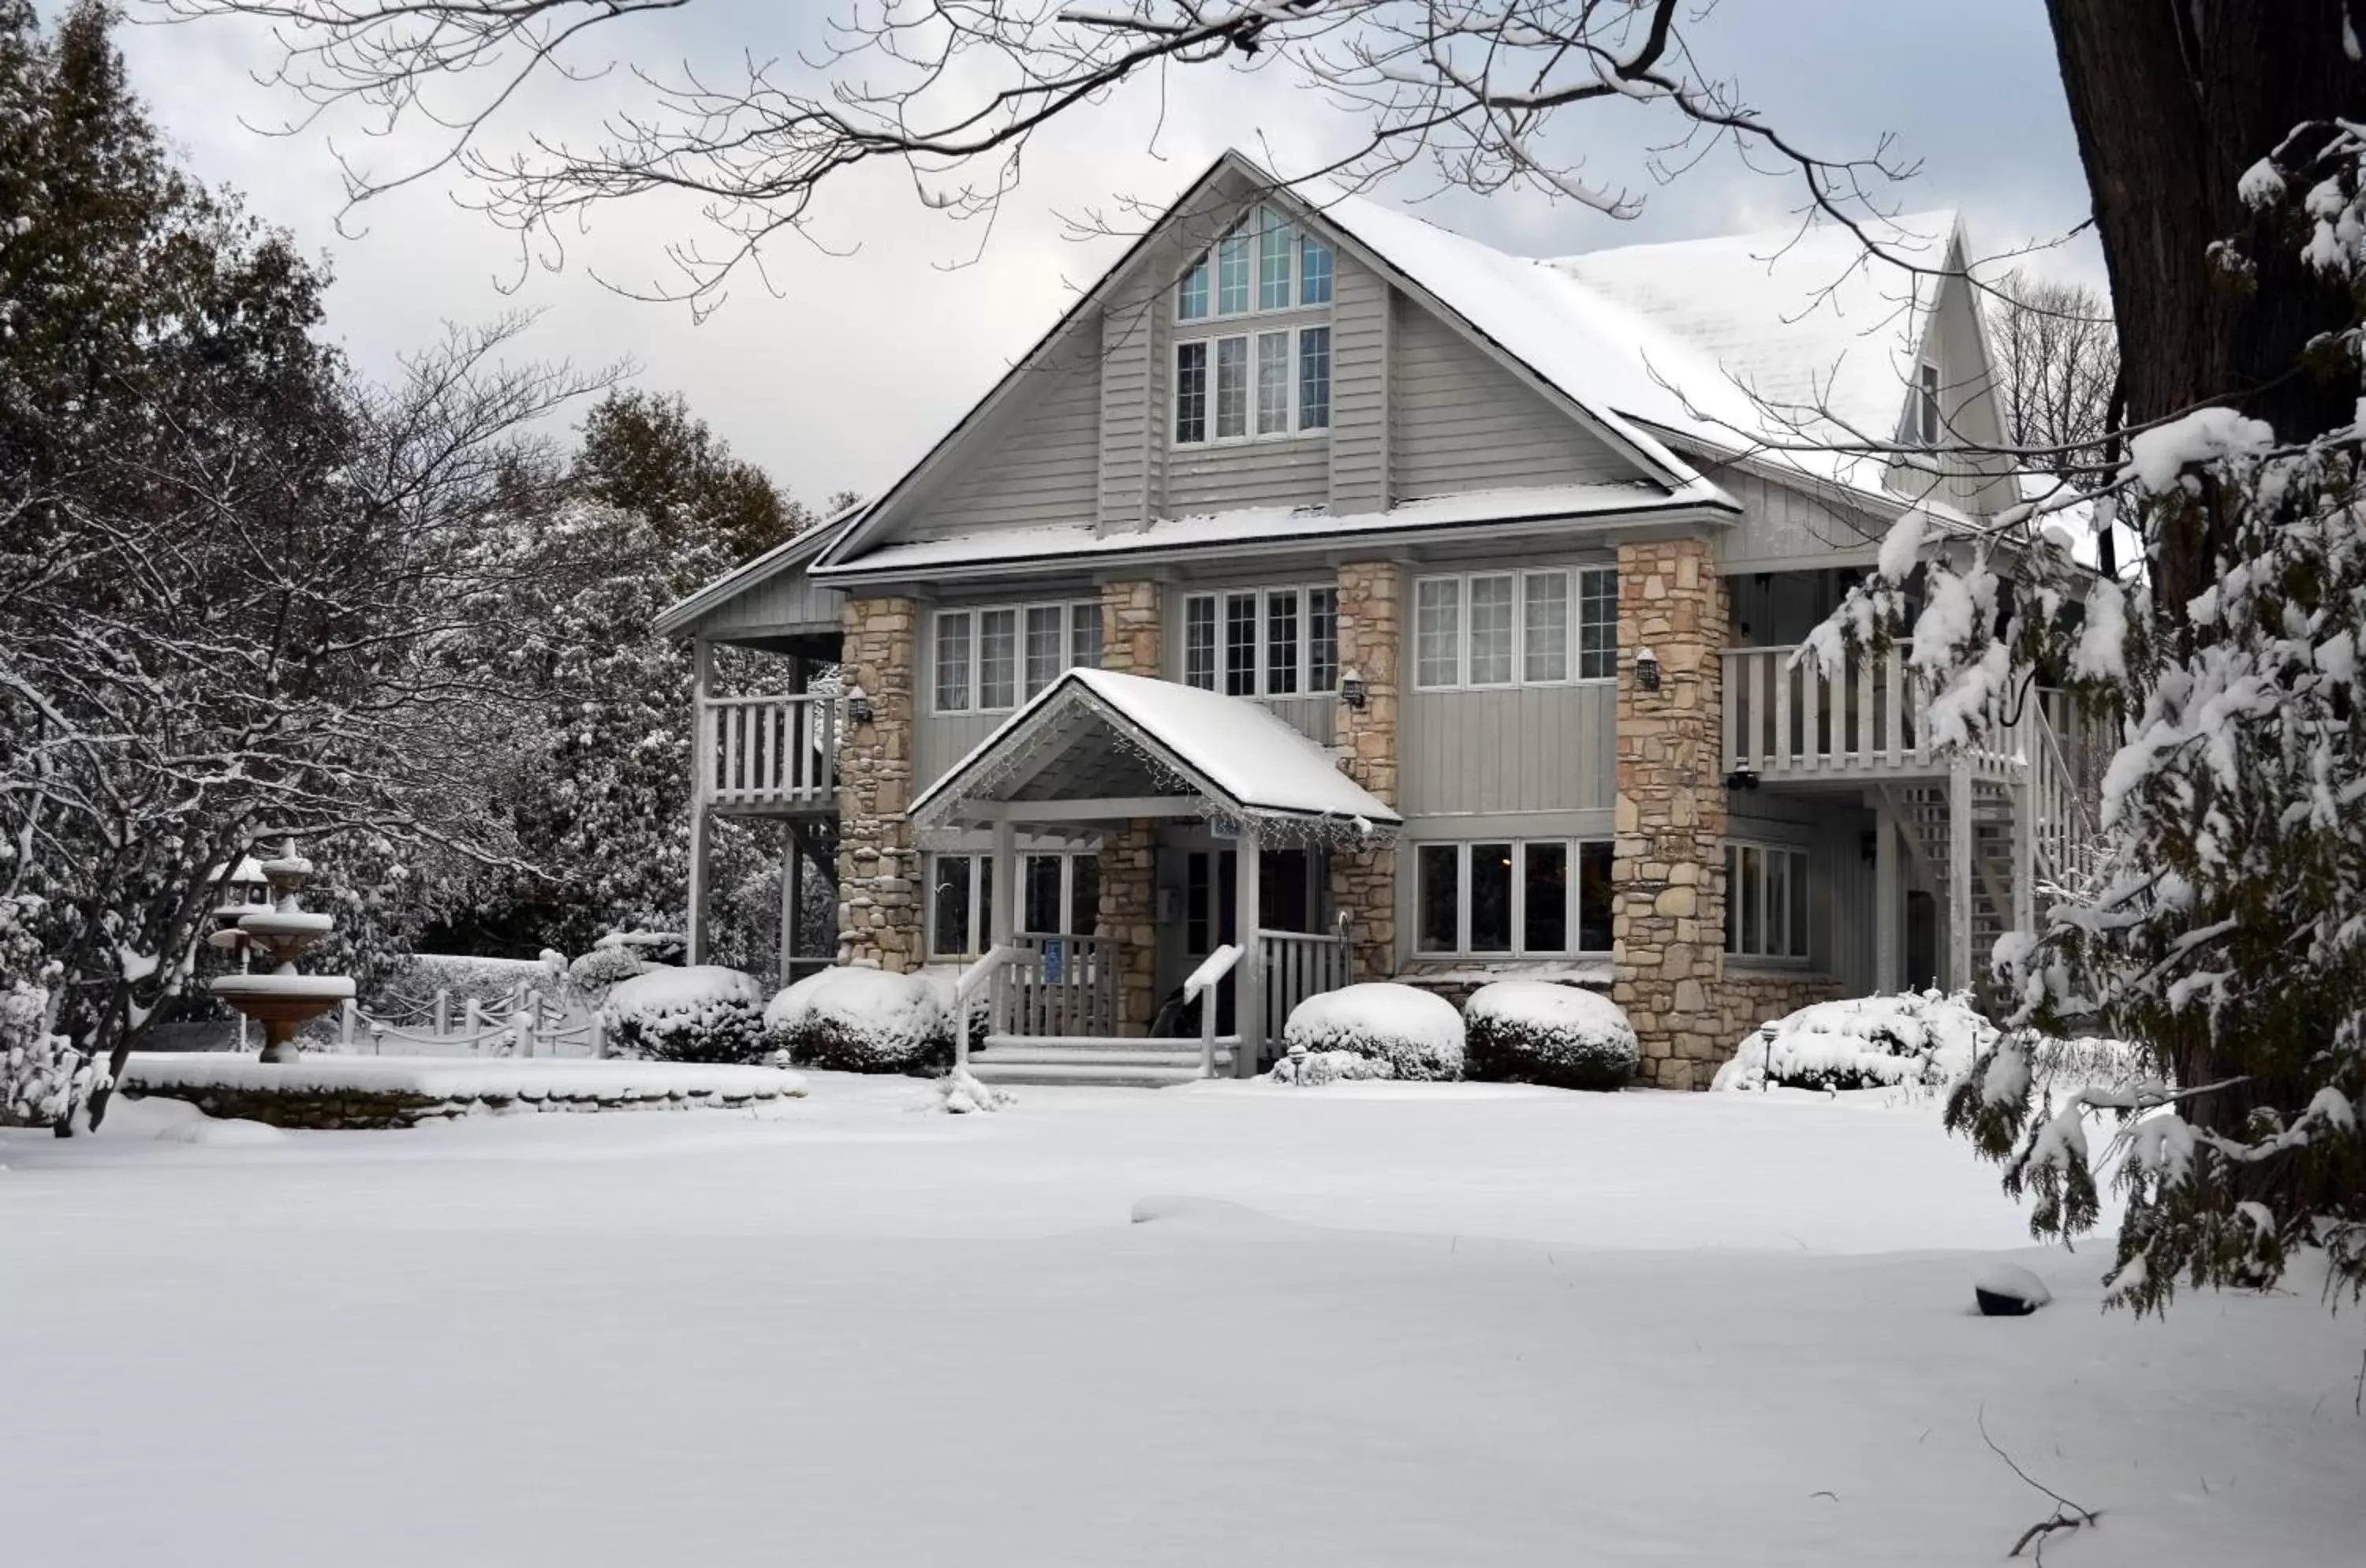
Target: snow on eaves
[{"x": 1279, "y": 526}]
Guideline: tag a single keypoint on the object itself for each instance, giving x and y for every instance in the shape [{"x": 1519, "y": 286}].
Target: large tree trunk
[{"x": 2172, "y": 100}]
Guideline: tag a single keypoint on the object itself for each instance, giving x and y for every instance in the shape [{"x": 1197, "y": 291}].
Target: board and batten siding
[
  {"x": 941, "y": 739},
  {"x": 1042, "y": 461},
  {"x": 1517, "y": 749},
  {"x": 1783, "y": 523},
  {"x": 1462, "y": 422}
]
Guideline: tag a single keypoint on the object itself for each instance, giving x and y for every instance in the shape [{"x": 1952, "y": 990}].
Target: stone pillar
[
  {"x": 1364, "y": 881},
  {"x": 1668, "y": 899},
  {"x": 881, "y": 909},
  {"x": 1134, "y": 643}
]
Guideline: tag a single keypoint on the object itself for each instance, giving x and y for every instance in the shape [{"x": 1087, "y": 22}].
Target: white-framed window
[
  {"x": 1257, "y": 386},
  {"x": 1265, "y": 264},
  {"x": 995, "y": 658},
  {"x": 1059, "y": 895},
  {"x": 1766, "y": 901},
  {"x": 1251, "y": 385},
  {"x": 1263, "y": 642},
  {"x": 1504, "y": 629},
  {"x": 1512, "y": 897},
  {"x": 1922, "y": 422}
]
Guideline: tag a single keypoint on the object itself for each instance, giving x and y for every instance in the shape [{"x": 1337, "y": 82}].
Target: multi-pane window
[
  {"x": 1246, "y": 385},
  {"x": 1499, "y": 628},
  {"x": 1531, "y": 898},
  {"x": 1268, "y": 642},
  {"x": 1059, "y": 895},
  {"x": 1191, "y": 392},
  {"x": 996, "y": 658},
  {"x": 1265, "y": 384},
  {"x": 1922, "y": 423},
  {"x": 1766, "y": 901}
]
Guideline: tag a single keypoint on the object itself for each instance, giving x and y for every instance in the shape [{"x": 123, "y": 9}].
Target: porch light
[
  {"x": 858, "y": 704},
  {"x": 1351, "y": 688},
  {"x": 1647, "y": 669}
]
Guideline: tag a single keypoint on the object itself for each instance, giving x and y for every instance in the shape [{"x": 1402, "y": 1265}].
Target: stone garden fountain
[{"x": 279, "y": 998}]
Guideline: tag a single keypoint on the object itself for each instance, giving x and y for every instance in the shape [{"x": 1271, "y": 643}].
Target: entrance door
[{"x": 1291, "y": 897}]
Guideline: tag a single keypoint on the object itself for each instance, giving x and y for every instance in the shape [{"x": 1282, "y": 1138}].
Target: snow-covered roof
[
  {"x": 1282, "y": 526},
  {"x": 1237, "y": 757},
  {"x": 676, "y": 618}
]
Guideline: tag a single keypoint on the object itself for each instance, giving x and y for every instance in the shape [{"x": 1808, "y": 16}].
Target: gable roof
[
  {"x": 679, "y": 616},
  {"x": 1243, "y": 763}
]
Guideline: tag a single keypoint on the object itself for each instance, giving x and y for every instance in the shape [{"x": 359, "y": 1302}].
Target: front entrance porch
[{"x": 1213, "y": 819}]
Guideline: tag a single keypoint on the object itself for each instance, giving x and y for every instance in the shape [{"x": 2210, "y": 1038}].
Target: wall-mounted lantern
[
  {"x": 1647, "y": 669},
  {"x": 858, "y": 704},
  {"x": 1351, "y": 688}
]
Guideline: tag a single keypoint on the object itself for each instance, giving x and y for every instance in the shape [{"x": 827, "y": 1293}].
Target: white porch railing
[
  {"x": 1057, "y": 985},
  {"x": 769, "y": 753},
  {"x": 1201, "y": 989},
  {"x": 1782, "y": 719},
  {"x": 1298, "y": 965}
]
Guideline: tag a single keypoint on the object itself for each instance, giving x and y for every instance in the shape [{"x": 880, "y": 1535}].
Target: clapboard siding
[
  {"x": 1359, "y": 390},
  {"x": 789, "y": 602},
  {"x": 1044, "y": 461},
  {"x": 1258, "y": 473},
  {"x": 1131, "y": 342},
  {"x": 1783, "y": 522},
  {"x": 1523, "y": 748},
  {"x": 1462, "y": 422}
]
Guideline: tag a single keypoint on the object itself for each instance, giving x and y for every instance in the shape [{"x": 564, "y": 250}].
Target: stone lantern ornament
[{"x": 277, "y": 997}]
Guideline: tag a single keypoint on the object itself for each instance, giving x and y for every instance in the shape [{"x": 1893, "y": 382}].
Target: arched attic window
[{"x": 1251, "y": 380}]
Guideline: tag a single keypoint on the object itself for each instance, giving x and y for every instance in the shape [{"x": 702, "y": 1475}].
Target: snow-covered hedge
[
  {"x": 1922, "y": 1041},
  {"x": 1535, "y": 1031},
  {"x": 1311, "y": 1070},
  {"x": 863, "y": 1020},
  {"x": 704, "y": 1014},
  {"x": 1416, "y": 1032}
]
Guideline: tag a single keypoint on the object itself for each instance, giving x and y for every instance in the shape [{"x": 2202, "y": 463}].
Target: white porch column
[
  {"x": 1959, "y": 875},
  {"x": 793, "y": 896},
  {"x": 1249, "y": 975},
  {"x": 702, "y": 763},
  {"x": 1888, "y": 904},
  {"x": 1000, "y": 919}
]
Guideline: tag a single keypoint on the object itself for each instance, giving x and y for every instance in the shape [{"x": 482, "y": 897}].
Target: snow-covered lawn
[{"x": 1445, "y": 1326}]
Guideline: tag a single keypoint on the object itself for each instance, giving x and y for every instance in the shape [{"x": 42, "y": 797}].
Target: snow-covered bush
[
  {"x": 862, "y": 1020},
  {"x": 1535, "y": 1031},
  {"x": 1311, "y": 1070},
  {"x": 617, "y": 957},
  {"x": 43, "y": 1079},
  {"x": 1416, "y": 1032},
  {"x": 1923, "y": 1041},
  {"x": 964, "y": 1094},
  {"x": 704, "y": 1014}
]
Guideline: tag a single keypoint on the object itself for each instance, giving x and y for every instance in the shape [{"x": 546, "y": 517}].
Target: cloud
[{"x": 858, "y": 356}]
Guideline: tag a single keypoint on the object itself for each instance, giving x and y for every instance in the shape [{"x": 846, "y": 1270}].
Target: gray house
[{"x": 1344, "y": 599}]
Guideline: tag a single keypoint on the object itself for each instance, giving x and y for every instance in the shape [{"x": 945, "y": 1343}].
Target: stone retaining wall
[{"x": 369, "y": 1109}]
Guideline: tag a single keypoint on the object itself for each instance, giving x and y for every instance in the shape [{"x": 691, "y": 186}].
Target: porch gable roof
[{"x": 1097, "y": 735}]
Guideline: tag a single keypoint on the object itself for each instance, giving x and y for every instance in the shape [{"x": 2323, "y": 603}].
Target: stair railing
[
  {"x": 964, "y": 988},
  {"x": 1201, "y": 989}
]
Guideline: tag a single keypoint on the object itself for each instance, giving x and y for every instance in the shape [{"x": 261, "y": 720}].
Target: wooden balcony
[
  {"x": 773, "y": 756},
  {"x": 1791, "y": 724}
]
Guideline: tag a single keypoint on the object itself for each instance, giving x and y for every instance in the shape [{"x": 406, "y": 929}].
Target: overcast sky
[{"x": 863, "y": 357}]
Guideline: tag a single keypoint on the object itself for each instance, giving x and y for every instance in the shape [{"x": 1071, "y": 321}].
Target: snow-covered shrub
[
  {"x": 604, "y": 967},
  {"x": 1535, "y": 1031},
  {"x": 1924, "y": 1041},
  {"x": 1416, "y": 1032},
  {"x": 962, "y": 1094},
  {"x": 862, "y": 1020},
  {"x": 1311, "y": 1070},
  {"x": 43, "y": 1079},
  {"x": 704, "y": 1014}
]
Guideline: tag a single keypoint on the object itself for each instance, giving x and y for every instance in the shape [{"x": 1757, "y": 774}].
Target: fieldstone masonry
[
  {"x": 1668, "y": 902},
  {"x": 1133, "y": 641},
  {"x": 880, "y": 908},
  {"x": 1364, "y": 881}
]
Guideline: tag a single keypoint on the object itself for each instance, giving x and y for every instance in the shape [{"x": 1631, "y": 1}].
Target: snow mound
[
  {"x": 449, "y": 1077},
  {"x": 703, "y": 1013},
  {"x": 1535, "y": 1031},
  {"x": 1924, "y": 1041},
  {"x": 232, "y": 1134},
  {"x": 1196, "y": 1211},
  {"x": 2007, "y": 1290},
  {"x": 962, "y": 1093},
  {"x": 1311, "y": 1070},
  {"x": 862, "y": 1020},
  {"x": 1418, "y": 1034}
]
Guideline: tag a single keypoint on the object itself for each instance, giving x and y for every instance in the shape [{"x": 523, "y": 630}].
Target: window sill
[{"x": 1581, "y": 681}]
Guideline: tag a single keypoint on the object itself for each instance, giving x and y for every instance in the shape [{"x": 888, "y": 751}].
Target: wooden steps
[{"x": 1087, "y": 1059}]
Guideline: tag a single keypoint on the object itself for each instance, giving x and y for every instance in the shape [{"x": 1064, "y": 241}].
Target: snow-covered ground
[{"x": 1373, "y": 1324}]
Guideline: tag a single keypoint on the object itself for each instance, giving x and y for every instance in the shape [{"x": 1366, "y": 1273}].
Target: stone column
[
  {"x": 1364, "y": 881},
  {"x": 1668, "y": 901},
  {"x": 1134, "y": 643},
  {"x": 880, "y": 905}
]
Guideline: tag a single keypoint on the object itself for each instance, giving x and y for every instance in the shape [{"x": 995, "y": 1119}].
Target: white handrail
[
  {"x": 971, "y": 978},
  {"x": 1199, "y": 987}
]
